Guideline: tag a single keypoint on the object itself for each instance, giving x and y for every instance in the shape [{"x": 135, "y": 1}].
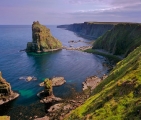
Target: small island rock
[
  {"x": 56, "y": 81},
  {"x": 42, "y": 40}
]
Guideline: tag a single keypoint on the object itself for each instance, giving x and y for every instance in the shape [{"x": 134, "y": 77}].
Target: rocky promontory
[
  {"x": 42, "y": 40},
  {"x": 6, "y": 94}
]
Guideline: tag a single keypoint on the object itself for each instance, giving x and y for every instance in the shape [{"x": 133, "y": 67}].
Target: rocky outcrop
[
  {"x": 42, "y": 40},
  {"x": 5, "y": 88},
  {"x": 91, "y": 82},
  {"x": 47, "y": 96},
  {"x": 6, "y": 94},
  {"x": 121, "y": 39},
  {"x": 90, "y": 30},
  {"x": 56, "y": 81}
]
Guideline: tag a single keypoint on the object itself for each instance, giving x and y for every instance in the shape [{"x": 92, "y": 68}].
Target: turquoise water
[{"x": 75, "y": 66}]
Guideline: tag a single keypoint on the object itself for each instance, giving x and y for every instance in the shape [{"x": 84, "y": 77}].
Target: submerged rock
[
  {"x": 6, "y": 94},
  {"x": 28, "y": 78},
  {"x": 42, "y": 40}
]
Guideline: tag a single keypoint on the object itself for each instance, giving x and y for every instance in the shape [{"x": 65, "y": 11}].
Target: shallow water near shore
[{"x": 74, "y": 66}]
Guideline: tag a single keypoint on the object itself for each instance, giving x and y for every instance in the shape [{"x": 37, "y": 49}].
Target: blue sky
[{"x": 51, "y": 12}]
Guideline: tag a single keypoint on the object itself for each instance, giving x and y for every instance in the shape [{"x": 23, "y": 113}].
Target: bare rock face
[
  {"x": 5, "y": 88},
  {"x": 6, "y": 94},
  {"x": 42, "y": 40},
  {"x": 91, "y": 82}
]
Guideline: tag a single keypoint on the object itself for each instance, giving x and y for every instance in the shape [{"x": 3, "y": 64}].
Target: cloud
[
  {"x": 83, "y": 1},
  {"x": 125, "y": 13}
]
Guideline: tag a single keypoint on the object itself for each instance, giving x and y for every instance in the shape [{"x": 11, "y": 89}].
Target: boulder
[
  {"x": 43, "y": 118},
  {"x": 55, "y": 107},
  {"x": 91, "y": 82},
  {"x": 49, "y": 99},
  {"x": 42, "y": 40}
]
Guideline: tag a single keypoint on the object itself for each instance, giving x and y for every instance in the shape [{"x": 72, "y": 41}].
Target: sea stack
[
  {"x": 6, "y": 94},
  {"x": 42, "y": 40}
]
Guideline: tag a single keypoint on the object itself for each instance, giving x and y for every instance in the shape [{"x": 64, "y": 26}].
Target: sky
[{"x": 55, "y": 12}]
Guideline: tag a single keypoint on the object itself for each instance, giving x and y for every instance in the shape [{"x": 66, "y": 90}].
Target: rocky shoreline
[
  {"x": 8, "y": 98},
  {"x": 82, "y": 48},
  {"x": 62, "y": 108}
]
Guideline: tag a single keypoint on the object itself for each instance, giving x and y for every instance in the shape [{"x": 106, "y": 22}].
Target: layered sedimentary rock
[
  {"x": 6, "y": 94},
  {"x": 91, "y": 30},
  {"x": 42, "y": 40},
  {"x": 5, "y": 88},
  {"x": 121, "y": 39}
]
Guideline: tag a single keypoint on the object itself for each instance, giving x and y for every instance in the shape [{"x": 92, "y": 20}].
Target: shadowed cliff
[
  {"x": 90, "y": 30},
  {"x": 121, "y": 39}
]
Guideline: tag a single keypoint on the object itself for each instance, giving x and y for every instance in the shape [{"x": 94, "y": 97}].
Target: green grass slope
[
  {"x": 118, "y": 97},
  {"x": 121, "y": 39}
]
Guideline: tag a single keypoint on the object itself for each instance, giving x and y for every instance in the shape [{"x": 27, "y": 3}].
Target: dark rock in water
[
  {"x": 6, "y": 94},
  {"x": 42, "y": 40}
]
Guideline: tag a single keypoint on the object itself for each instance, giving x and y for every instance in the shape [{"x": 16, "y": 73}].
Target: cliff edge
[
  {"x": 91, "y": 30},
  {"x": 42, "y": 40},
  {"x": 121, "y": 39}
]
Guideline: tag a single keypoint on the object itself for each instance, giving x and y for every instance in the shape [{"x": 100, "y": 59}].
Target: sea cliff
[
  {"x": 90, "y": 30},
  {"x": 42, "y": 40},
  {"x": 121, "y": 39},
  {"x": 118, "y": 96}
]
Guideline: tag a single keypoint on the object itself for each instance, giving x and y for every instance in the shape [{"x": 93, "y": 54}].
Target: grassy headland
[{"x": 118, "y": 96}]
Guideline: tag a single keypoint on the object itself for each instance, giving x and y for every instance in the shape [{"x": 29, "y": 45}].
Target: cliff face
[
  {"x": 121, "y": 39},
  {"x": 118, "y": 97},
  {"x": 6, "y": 94},
  {"x": 89, "y": 29},
  {"x": 42, "y": 40},
  {"x": 5, "y": 88}
]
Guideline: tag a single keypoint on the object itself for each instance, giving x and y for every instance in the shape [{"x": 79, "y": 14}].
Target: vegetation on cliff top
[
  {"x": 121, "y": 39},
  {"x": 118, "y": 96}
]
